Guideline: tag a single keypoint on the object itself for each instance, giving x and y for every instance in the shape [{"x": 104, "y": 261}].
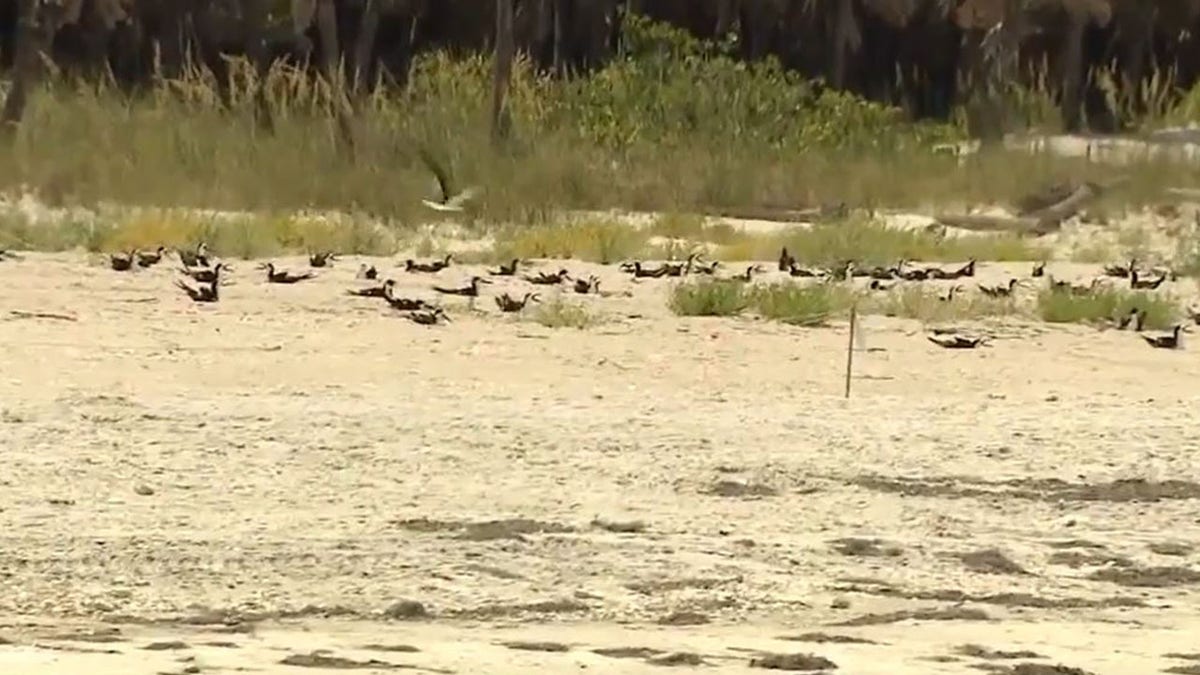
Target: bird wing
[
  {"x": 460, "y": 199},
  {"x": 436, "y": 206},
  {"x": 438, "y": 171}
]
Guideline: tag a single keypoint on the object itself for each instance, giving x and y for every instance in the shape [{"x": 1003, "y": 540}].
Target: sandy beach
[{"x": 293, "y": 480}]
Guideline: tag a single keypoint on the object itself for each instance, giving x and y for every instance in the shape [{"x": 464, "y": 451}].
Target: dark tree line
[{"x": 924, "y": 55}]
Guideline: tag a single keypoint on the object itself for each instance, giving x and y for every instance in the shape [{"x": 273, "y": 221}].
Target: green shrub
[
  {"x": 709, "y": 297},
  {"x": 1162, "y": 311},
  {"x": 559, "y": 313},
  {"x": 803, "y": 305}
]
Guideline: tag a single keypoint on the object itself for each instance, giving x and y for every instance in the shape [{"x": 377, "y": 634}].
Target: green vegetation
[
  {"x": 674, "y": 126},
  {"x": 804, "y": 305},
  {"x": 710, "y": 297},
  {"x": 1107, "y": 304},
  {"x": 928, "y": 305},
  {"x": 597, "y": 241},
  {"x": 228, "y": 235}
]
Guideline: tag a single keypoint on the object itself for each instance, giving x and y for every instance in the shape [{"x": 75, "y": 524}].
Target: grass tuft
[
  {"x": 1162, "y": 311},
  {"x": 804, "y": 305},
  {"x": 598, "y": 241},
  {"x": 710, "y": 297},
  {"x": 559, "y": 313},
  {"x": 927, "y": 306}
]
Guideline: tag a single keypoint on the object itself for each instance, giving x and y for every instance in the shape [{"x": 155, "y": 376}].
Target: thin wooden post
[{"x": 850, "y": 348}]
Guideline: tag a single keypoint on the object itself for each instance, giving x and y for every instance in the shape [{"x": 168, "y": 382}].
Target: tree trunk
[
  {"x": 846, "y": 42},
  {"x": 25, "y": 65},
  {"x": 254, "y": 18},
  {"x": 557, "y": 10},
  {"x": 364, "y": 46},
  {"x": 502, "y": 69},
  {"x": 1071, "y": 59},
  {"x": 331, "y": 52}
]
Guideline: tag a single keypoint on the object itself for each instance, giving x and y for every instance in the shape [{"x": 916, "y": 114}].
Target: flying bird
[{"x": 449, "y": 200}]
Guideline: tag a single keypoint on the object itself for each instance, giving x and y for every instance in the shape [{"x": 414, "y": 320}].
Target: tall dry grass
[{"x": 673, "y": 125}]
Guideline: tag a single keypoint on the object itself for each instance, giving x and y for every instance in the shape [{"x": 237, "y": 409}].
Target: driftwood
[
  {"x": 778, "y": 214},
  {"x": 981, "y": 223},
  {"x": 1041, "y": 213},
  {"x": 20, "y": 314}
]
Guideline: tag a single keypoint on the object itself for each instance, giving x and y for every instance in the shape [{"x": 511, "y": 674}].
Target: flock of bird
[
  {"x": 206, "y": 275},
  {"x": 885, "y": 279}
]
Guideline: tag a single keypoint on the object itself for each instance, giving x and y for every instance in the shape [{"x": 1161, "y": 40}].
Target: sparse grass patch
[
  {"x": 597, "y": 241},
  {"x": 1093, "y": 252},
  {"x": 1162, "y": 311},
  {"x": 693, "y": 228},
  {"x": 875, "y": 243},
  {"x": 710, "y": 297},
  {"x": 17, "y": 231},
  {"x": 559, "y": 313},
  {"x": 1187, "y": 254},
  {"x": 804, "y": 305},
  {"x": 925, "y": 304},
  {"x": 248, "y": 236}
]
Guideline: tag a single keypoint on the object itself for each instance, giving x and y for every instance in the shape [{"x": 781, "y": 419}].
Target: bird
[
  {"x": 207, "y": 293},
  {"x": 797, "y": 271},
  {"x": 948, "y": 296},
  {"x": 448, "y": 200},
  {"x": 1134, "y": 313},
  {"x": 1121, "y": 271},
  {"x": 204, "y": 274},
  {"x": 380, "y": 291},
  {"x": 549, "y": 279},
  {"x": 150, "y": 259},
  {"x": 368, "y": 273},
  {"x": 433, "y": 267},
  {"x": 402, "y": 304},
  {"x": 709, "y": 269},
  {"x": 967, "y": 270},
  {"x": 321, "y": 259},
  {"x": 121, "y": 262},
  {"x": 1039, "y": 269},
  {"x": 744, "y": 277},
  {"x": 509, "y": 304},
  {"x": 1142, "y": 284},
  {"x": 5, "y": 254},
  {"x": 1002, "y": 291},
  {"x": 956, "y": 341},
  {"x": 786, "y": 261},
  {"x": 282, "y": 276},
  {"x": 877, "y": 285},
  {"x": 592, "y": 284},
  {"x": 507, "y": 270},
  {"x": 640, "y": 272},
  {"x": 428, "y": 317},
  {"x": 683, "y": 268},
  {"x": 195, "y": 258},
  {"x": 1168, "y": 341},
  {"x": 471, "y": 290}
]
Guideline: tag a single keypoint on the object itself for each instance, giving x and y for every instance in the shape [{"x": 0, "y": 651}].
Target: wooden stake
[{"x": 850, "y": 348}]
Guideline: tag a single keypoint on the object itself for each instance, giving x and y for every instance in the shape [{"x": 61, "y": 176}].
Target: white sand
[{"x": 286, "y": 431}]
